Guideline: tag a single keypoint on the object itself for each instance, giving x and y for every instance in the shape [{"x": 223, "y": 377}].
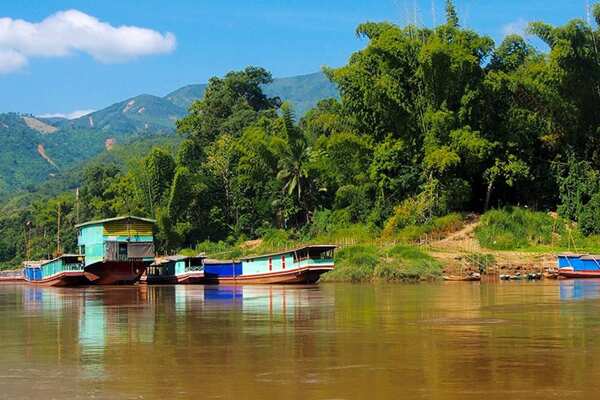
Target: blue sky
[{"x": 212, "y": 37}]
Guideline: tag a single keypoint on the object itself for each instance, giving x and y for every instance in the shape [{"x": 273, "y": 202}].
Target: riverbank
[{"x": 501, "y": 242}]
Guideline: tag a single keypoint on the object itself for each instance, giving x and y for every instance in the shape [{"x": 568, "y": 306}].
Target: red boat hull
[
  {"x": 183, "y": 279},
  {"x": 62, "y": 279},
  {"x": 114, "y": 273},
  {"x": 190, "y": 278},
  {"x": 308, "y": 275},
  {"x": 578, "y": 274}
]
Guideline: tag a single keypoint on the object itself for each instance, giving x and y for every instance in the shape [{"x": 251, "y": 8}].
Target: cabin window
[
  {"x": 82, "y": 249},
  {"x": 123, "y": 251},
  {"x": 283, "y": 262},
  {"x": 270, "y": 264}
]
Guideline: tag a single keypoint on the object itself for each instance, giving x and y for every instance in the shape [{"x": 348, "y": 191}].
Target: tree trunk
[{"x": 488, "y": 196}]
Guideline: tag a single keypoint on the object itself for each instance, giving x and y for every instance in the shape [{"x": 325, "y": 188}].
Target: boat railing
[{"x": 194, "y": 268}]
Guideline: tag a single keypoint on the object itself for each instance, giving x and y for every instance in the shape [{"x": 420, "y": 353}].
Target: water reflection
[
  {"x": 580, "y": 289},
  {"x": 330, "y": 341}
]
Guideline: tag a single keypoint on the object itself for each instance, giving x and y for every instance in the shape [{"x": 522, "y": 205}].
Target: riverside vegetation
[{"x": 431, "y": 124}]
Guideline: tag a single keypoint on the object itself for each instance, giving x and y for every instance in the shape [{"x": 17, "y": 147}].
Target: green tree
[
  {"x": 159, "y": 171},
  {"x": 229, "y": 105}
]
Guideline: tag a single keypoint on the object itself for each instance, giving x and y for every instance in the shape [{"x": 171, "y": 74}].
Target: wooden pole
[
  {"x": 58, "y": 249},
  {"x": 77, "y": 205}
]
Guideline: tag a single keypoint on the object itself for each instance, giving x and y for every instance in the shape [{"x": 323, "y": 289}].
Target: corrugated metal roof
[
  {"x": 103, "y": 221},
  {"x": 308, "y": 247}
]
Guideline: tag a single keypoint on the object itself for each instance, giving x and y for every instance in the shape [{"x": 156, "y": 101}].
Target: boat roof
[
  {"x": 41, "y": 263},
  {"x": 61, "y": 257},
  {"x": 33, "y": 263},
  {"x": 121, "y": 218},
  {"x": 168, "y": 259},
  {"x": 323, "y": 247}
]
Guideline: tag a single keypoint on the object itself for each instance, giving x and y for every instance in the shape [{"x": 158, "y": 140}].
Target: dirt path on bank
[{"x": 455, "y": 252}]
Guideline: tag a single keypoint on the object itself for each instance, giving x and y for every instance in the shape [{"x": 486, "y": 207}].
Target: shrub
[
  {"x": 355, "y": 200},
  {"x": 589, "y": 217},
  {"x": 274, "y": 238},
  {"x": 354, "y": 264},
  {"x": 408, "y": 263}
]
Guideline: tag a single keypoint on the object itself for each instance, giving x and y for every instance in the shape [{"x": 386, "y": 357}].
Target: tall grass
[
  {"x": 366, "y": 263},
  {"x": 517, "y": 228},
  {"x": 437, "y": 227}
]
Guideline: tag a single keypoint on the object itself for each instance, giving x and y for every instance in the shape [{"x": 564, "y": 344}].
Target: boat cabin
[
  {"x": 307, "y": 256},
  {"x": 39, "y": 271},
  {"x": 121, "y": 239},
  {"x": 175, "y": 265}
]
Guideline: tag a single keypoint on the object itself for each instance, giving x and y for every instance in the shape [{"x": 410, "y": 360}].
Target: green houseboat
[
  {"x": 302, "y": 265},
  {"x": 66, "y": 270},
  {"x": 175, "y": 269},
  {"x": 116, "y": 250}
]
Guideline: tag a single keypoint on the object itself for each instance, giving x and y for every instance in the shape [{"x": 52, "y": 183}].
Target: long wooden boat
[
  {"x": 303, "y": 265},
  {"x": 475, "y": 277},
  {"x": 577, "y": 266},
  {"x": 175, "y": 270},
  {"x": 117, "y": 250},
  {"x": 12, "y": 276},
  {"x": 66, "y": 270}
]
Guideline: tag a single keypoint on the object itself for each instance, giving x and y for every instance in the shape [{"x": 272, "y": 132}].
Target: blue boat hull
[{"x": 579, "y": 266}]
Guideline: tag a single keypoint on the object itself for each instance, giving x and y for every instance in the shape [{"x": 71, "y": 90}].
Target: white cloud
[
  {"x": 70, "y": 115},
  {"x": 70, "y": 31},
  {"x": 518, "y": 27},
  {"x": 11, "y": 61}
]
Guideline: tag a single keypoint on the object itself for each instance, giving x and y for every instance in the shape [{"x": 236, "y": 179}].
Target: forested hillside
[
  {"x": 37, "y": 149},
  {"x": 429, "y": 122}
]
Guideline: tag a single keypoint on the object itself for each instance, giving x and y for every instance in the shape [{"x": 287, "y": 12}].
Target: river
[{"x": 454, "y": 340}]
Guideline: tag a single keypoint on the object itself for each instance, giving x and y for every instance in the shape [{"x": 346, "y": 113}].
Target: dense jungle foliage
[{"x": 430, "y": 121}]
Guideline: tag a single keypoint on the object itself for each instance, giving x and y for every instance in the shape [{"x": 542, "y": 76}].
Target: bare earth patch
[
  {"x": 42, "y": 152},
  {"x": 39, "y": 126},
  {"x": 454, "y": 250}
]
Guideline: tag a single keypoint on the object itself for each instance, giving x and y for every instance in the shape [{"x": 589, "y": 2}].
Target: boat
[
  {"x": 65, "y": 270},
  {"x": 303, "y": 265},
  {"x": 175, "y": 269},
  {"x": 473, "y": 277},
  {"x": 578, "y": 265},
  {"x": 11, "y": 276},
  {"x": 116, "y": 250}
]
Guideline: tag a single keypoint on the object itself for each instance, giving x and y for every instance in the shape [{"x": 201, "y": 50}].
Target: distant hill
[
  {"x": 140, "y": 113},
  {"x": 35, "y": 149},
  {"x": 185, "y": 96},
  {"x": 303, "y": 91}
]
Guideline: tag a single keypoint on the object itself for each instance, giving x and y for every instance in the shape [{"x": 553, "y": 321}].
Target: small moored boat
[
  {"x": 473, "y": 277},
  {"x": 578, "y": 266},
  {"x": 302, "y": 265},
  {"x": 11, "y": 276},
  {"x": 66, "y": 270},
  {"x": 175, "y": 269}
]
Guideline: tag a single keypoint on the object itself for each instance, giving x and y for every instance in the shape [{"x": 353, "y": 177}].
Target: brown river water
[{"x": 454, "y": 340}]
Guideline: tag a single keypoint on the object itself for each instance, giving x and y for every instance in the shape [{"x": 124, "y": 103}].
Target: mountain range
[{"x": 36, "y": 149}]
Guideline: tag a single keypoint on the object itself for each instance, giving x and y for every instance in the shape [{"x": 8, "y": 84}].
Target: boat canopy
[
  {"x": 168, "y": 259},
  {"x": 317, "y": 248}
]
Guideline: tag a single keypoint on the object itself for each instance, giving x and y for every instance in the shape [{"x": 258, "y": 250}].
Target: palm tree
[{"x": 294, "y": 157}]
